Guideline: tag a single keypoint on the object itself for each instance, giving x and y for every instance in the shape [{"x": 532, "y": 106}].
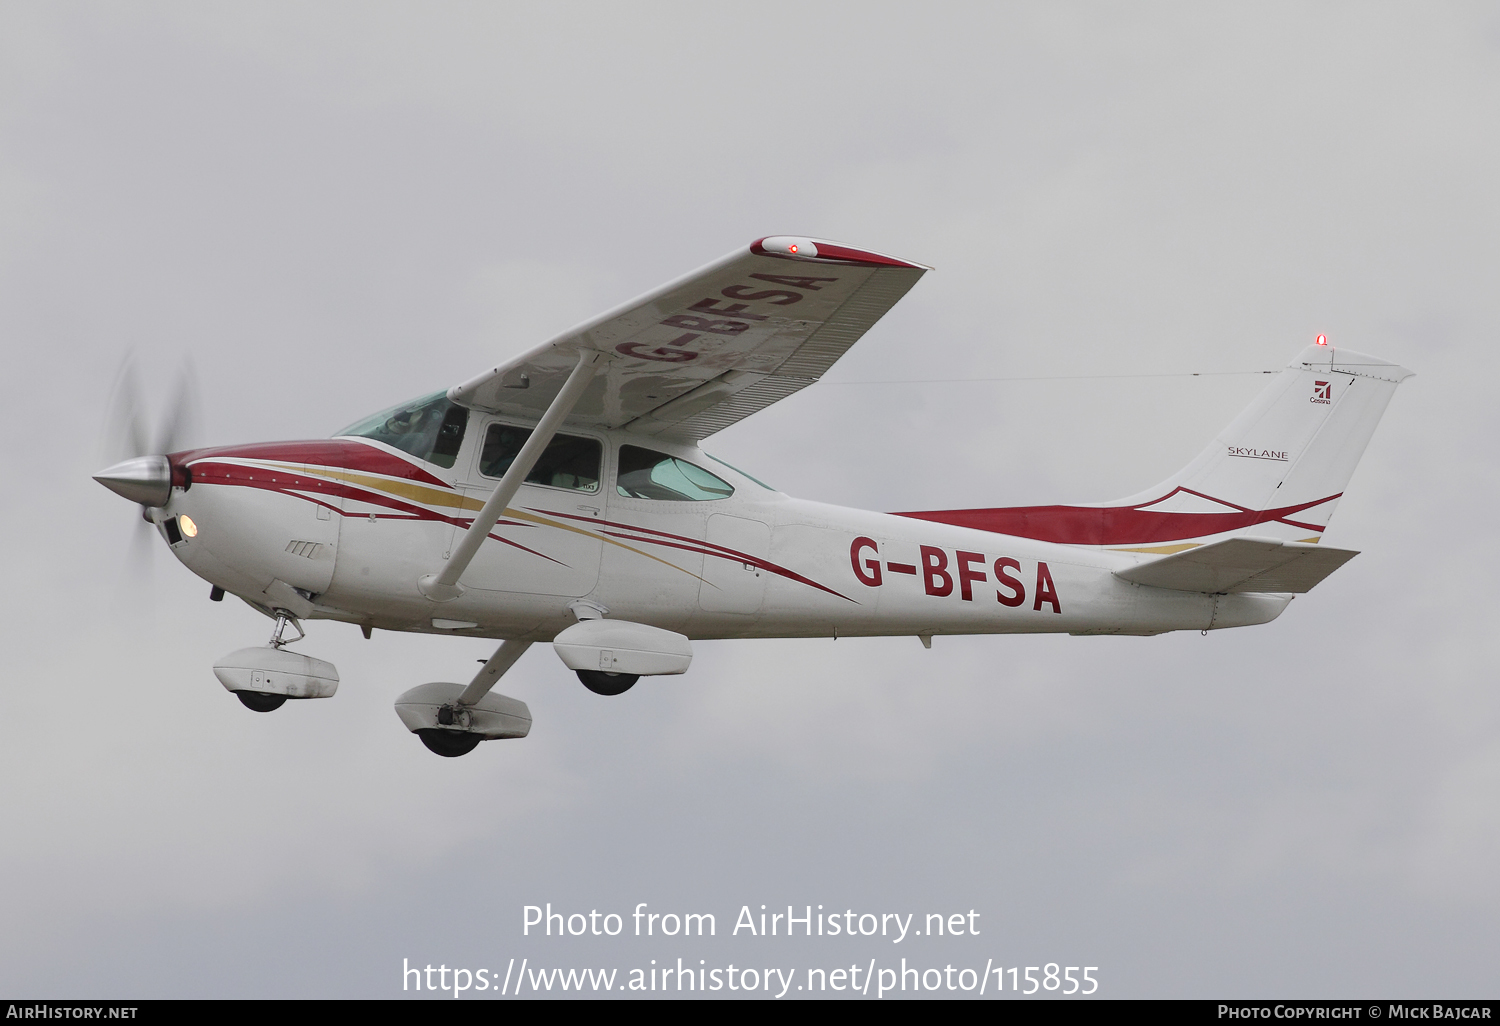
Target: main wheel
[
  {"x": 260, "y": 701},
  {"x": 602, "y": 683},
  {"x": 450, "y": 744}
]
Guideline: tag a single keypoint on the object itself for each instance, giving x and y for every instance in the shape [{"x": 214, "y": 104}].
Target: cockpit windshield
[{"x": 430, "y": 428}]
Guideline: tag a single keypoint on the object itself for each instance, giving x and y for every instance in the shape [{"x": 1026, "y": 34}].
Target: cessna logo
[
  {"x": 1322, "y": 392},
  {"x": 1256, "y": 454}
]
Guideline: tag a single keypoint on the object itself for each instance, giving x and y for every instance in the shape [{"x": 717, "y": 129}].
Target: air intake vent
[{"x": 304, "y": 548}]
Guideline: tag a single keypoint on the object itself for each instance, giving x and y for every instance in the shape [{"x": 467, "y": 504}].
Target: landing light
[
  {"x": 1322, "y": 340},
  {"x": 189, "y": 529}
]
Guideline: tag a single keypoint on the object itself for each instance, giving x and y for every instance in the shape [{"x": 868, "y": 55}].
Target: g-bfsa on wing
[{"x": 712, "y": 347}]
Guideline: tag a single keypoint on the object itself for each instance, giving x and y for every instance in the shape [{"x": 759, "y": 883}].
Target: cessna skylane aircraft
[{"x": 562, "y": 496}]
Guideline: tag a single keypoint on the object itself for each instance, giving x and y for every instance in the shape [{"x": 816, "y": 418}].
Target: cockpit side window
[
  {"x": 647, "y": 474},
  {"x": 567, "y": 462},
  {"x": 430, "y": 428}
]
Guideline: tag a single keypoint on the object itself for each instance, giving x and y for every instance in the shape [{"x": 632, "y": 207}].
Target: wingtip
[{"x": 798, "y": 247}]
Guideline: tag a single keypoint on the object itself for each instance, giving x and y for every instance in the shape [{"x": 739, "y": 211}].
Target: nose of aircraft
[{"x": 144, "y": 479}]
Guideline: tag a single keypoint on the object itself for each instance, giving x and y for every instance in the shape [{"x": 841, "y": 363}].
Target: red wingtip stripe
[
  {"x": 830, "y": 251},
  {"x": 843, "y": 254}
]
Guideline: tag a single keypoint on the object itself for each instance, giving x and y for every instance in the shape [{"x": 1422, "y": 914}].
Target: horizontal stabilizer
[{"x": 1241, "y": 564}]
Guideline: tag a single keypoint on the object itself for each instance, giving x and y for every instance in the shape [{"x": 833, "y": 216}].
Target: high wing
[{"x": 709, "y": 349}]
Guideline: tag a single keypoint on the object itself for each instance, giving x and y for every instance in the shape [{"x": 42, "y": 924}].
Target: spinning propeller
[{"x": 142, "y": 473}]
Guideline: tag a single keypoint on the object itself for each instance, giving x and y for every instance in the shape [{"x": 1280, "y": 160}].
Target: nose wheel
[
  {"x": 602, "y": 683},
  {"x": 263, "y": 678}
]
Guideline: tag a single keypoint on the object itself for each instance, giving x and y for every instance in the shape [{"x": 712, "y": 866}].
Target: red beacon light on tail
[{"x": 1322, "y": 340}]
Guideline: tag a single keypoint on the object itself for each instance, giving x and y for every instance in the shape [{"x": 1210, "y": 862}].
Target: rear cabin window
[
  {"x": 740, "y": 472},
  {"x": 567, "y": 462},
  {"x": 430, "y": 428},
  {"x": 647, "y": 474}
]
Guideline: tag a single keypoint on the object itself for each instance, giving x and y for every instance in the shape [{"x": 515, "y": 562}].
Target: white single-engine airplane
[{"x": 563, "y": 497}]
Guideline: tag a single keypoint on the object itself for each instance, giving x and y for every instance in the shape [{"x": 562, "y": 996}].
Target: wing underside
[{"x": 711, "y": 348}]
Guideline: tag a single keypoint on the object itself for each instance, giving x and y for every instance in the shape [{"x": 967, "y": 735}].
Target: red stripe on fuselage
[
  {"x": 358, "y": 456},
  {"x": 1115, "y": 525},
  {"x": 319, "y": 452},
  {"x": 707, "y": 548},
  {"x": 285, "y": 482}
]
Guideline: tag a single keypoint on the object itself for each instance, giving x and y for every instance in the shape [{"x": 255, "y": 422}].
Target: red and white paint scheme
[{"x": 563, "y": 497}]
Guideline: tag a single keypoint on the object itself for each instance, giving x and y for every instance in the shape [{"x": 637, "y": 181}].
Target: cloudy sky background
[{"x": 331, "y": 208}]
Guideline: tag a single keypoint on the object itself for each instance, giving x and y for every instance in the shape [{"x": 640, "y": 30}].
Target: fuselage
[{"x": 344, "y": 528}]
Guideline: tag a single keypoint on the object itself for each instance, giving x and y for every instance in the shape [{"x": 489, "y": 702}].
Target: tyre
[
  {"x": 602, "y": 683},
  {"x": 450, "y": 744},
  {"x": 260, "y": 701}
]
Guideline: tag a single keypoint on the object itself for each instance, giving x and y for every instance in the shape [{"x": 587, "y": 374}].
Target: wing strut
[
  {"x": 504, "y": 658},
  {"x": 444, "y": 586}
]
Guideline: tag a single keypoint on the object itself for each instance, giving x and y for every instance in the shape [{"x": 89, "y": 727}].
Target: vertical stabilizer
[
  {"x": 1291, "y": 452},
  {"x": 1277, "y": 471}
]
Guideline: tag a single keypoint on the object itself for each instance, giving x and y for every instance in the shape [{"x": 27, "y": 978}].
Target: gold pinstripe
[
  {"x": 1162, "y": 550},
  {"x": 429, "y": 496}
]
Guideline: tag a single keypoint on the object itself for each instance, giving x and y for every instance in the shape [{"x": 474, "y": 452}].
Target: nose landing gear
[{"x": 263, "y": 678}]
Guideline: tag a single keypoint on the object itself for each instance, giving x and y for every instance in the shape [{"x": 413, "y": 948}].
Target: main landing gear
[
  {"x": 609, "y": 656},
  {"x": 601, "y": 682},
  {"x": 259, "y": 701},
  {"x": 450, "y": 744},
  {"x": 452, "y": 719}
]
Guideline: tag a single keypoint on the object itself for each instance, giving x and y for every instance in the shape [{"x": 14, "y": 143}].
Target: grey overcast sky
[{"x": 332, "y": 207}]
